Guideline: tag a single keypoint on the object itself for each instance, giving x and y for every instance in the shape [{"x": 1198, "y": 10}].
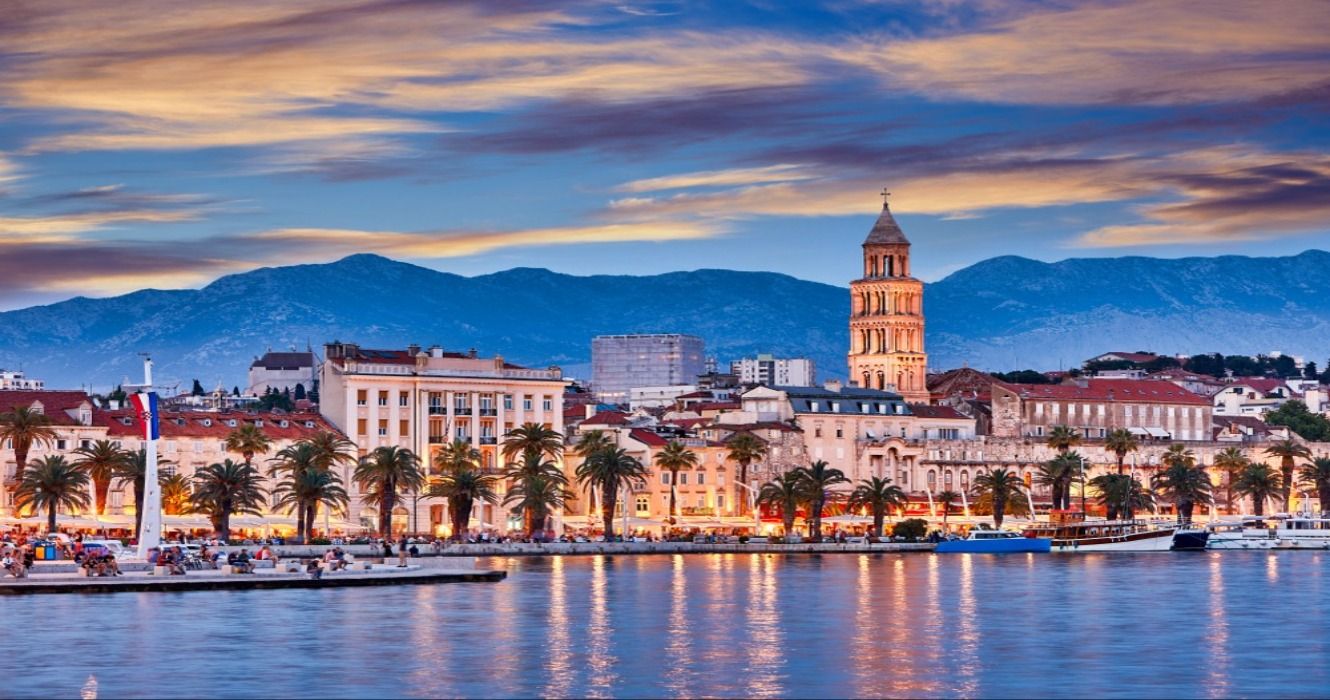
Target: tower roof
[{"x": 886, "y": 231}]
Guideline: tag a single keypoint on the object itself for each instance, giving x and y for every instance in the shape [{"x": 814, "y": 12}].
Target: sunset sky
[{"x": 164, "y": 143}]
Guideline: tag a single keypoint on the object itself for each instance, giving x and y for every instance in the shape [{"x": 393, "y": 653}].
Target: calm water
[{"x": 1186, "y": 625}]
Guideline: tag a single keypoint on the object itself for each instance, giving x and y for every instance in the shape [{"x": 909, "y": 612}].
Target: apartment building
[
  {"x": 775, "y": 371},
  {"x": 621, "y": 362},
  {"x": 1153, "y": 410}
]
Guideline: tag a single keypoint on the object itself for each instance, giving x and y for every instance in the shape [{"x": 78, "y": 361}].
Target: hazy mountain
[{"x": 1002, "y": 313}]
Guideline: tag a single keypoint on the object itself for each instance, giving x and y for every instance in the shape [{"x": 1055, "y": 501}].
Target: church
[{"x": 887, "y": 316}]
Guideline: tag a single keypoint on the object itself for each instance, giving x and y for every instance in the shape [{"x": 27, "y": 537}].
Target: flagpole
[{"x": 150, "y": 529}]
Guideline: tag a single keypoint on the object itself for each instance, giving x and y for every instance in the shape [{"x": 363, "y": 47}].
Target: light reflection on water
[{"x": 763, "y": 625}]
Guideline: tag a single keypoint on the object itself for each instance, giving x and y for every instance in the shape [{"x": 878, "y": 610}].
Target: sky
[{"x": 154, "y": 143}]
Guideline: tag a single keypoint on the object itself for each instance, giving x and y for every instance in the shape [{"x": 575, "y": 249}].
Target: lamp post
[{"x": 1082, "y": 485}]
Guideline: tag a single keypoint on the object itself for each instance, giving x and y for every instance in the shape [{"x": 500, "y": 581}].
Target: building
[
  {"x": 1094, "y": 407},
  {"x": 657, "y": 396},
  {"x": 887, "y": 316},
  {"x": 281, "y": 371},
  {"x": 71, "y": 415},
  {"x": 773, "y": 371},
  {"x": 1257, "y": 396},
  {"x": 1136, "y": 358},
  {"x": 14, "y": 380},
  {"x": 422, "y": 399},
  {"x": 621, "y": 362}
]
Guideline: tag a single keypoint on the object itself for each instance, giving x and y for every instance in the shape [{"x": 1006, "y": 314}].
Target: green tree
[
  {"x": 1058, "y": 474},
  {"x": 877, "y": 494},
  {"x": 1062, "y": 438},
  {"x": 1183, "y": 481},
  {"x": 911, "y": 529},
  {"x": 300, "y": 394},
  {"x": 1316, "y": 475},
  {"x": 785, "y": 493},
  {"x": 588, "y": 444},
  {"x": 541, "y": 487},
  {"x": 946, "y": 498},
  {"x": 1120, "y": 442},
  {"x": 461, "y": 486},
  {"x": 1260, "y": 482},
  {"x": 1212, "y": 364},
  {"x": 101, "y": 461},
  {"x": 225, "y": 488},
  {"x": 1231, "y": 460},
  {"x": 818, "y": 479},
  {"x": 1024, "y": 376},
  {"x": 608, "y": 470},
  {"x": 248, "y": 440},
  {"x": 133, "y": 472},
  {"x": 24, "y": 427},
  {"x": 1288, "y": 451},
  {"x": 999, "y": 491},
  {"x": 745, "y": 448},
  {"x": 176, "y": 493},
  {"x": 49, "y": 483},
  {"x": 1295, "y": 416},
  {"x": 383, "y": 476},
  {"x": 197, "y": 389},
  {"x": 1121, "y": 495},
  {"x": 534, "y": 438},
  {"x": 674, "y": 457},
  {"x": 306, "y": 489}
]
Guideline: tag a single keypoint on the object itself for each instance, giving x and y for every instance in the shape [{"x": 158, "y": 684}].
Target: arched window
[
  {"x": 946, "y": 478},
  {"x": 932, "y": 479},
  {"x": 965, "y": 480}
]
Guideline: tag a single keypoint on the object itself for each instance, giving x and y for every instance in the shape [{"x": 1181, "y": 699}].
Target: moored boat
[
  {"x": 1106, "y": 536},
  {"x": 1271, "y": 532},
  {"x": 994, "y": 542},
  {"x": 1190, "y": 539}
]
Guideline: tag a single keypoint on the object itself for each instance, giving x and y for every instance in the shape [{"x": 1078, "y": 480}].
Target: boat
[
  {"x": 1271, "y": 532},
  {"x": 1190, "y": 539},
  {"x": 1074, "y": 534},
  {"x": 994, "y": 542}
]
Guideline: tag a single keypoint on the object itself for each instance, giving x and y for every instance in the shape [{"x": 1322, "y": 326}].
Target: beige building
[
  {"x": 1153, "y": 410},
  {"x": 421, "y": 399},
  {"x": 887, "y": 316}
]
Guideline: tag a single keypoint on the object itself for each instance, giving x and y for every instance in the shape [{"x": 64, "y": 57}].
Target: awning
[
  {"x": 848, "y": 520},
  {"x": 1159, "y": 433},
  {"x": 1138, "y": 431}
]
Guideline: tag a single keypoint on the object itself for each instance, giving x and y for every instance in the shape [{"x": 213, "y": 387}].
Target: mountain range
[{"x": 1003, "y": 313}]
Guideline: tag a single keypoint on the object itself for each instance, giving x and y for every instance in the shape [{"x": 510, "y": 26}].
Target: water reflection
[
  {"x": 1217, "y": 669},
  {"x": 764, "y": 644},
  {"x": 559, "y": 664},
  {"x": 677, "y": 645},
  {"x": 600, "y": 660}
]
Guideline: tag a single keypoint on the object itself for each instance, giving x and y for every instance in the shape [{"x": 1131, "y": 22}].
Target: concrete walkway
[
  {"x": 379, "y": 575},
  {"x": 518, "y": 549}
]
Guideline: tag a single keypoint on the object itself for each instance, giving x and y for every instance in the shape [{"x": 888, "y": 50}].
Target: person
[
  {"x": 13, "y": 566},
  {"x": 243, "y": 561},
  {"x": 401, "y": 554},
  {"x": 154, "y": 556},
  {"x": 387, "y": 549},
  {"x": 313, "y": 570},
  {"x": 415, "y": 551}
]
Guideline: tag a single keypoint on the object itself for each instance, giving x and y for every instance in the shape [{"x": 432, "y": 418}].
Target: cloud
[
  {"x": 784, "y": 172},
  {"x": 57, "y": 227},
  {"x": 1158, "y": 52}
]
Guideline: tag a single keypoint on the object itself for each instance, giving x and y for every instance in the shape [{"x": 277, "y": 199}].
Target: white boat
[
  {"x": 1274, "y": 532},
  {"x": 1107, "y": 536}
]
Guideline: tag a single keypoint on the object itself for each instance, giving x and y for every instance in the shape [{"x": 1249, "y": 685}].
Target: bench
[
  {"x": 161, "y": 571},
  {"x": 290, "y": 567}
]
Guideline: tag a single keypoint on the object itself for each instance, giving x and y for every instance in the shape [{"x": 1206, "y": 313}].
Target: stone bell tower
[{"x": 887, "y": 315}]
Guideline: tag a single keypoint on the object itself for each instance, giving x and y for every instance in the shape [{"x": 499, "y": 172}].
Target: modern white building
[
  {"x": 775, "y": 371},
  {"x": 621, "y": 362},
  {"x": 422, "y": 399},
  {"x": 14, "y": 380},
  {"x": 657, "y": 396}
]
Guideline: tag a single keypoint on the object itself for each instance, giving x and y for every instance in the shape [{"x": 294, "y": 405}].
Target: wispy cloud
[{"x": 784, "y": 172}]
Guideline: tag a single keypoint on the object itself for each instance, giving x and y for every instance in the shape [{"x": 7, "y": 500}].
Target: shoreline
[
  {"x": 637, "y": 548},
  {"x": 198, "y": 581}
]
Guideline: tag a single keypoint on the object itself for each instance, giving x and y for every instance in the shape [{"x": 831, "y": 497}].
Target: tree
[
  {"x": 674, "y": 457},
  {"x": 1120, "y": 441},
  {"x": 225, "y": 488},
  {"x": 1231, "y": 460},
  {"x": 50, "y": 483},
  {"x": 1288, "y": 451},
  {"x": 1024, "y": 376},
  {"x": 785, "y": 493},
  {"x": 818, "y": 478},
  {"x": 946, "y": 498},
  {"x": 176, "y": 494},
  {"x": 24, "y": 427},
  {"x": 1058, "y": 474},
  {"x": 1212, "y": 364},
  {"x": 1183, "y": 481},
  {"x": 1295, "y": 416},
  {"x": 1309, "y": 371},
  {"x": 197, "y": 390},
  {"x": 461, "y": 486},
  {"x": 300, "y": 394},
  {"x": 235, "y": 391},
  {"x": 541, "y": 486},
  {"x": 304, "y": 490},
  {"x": 383, "y": 476},
  {"x": 877, "y": 494},
  {"x": 588, "y": 444},
  {"x": 745, "y": 448},
  {"x": 133, "y": 471},
  {"x": 1062, "y": 438},
  {"x": 1260, "y": 482},
  {"x": 1316, "y": 475},
  {"x": 608, "y": 470},
  {"x": 1161, "y": 363},
  {"x": 331, "y": 451},
  {"x": 998, "y": 490},
  {"x": 911, "y": 529},
  {"x": 535, "y": 438},
  {"x": 248, "y": 440},
  {"x": 1121, "y": 495},
  {"x": 101, "y": 461}
]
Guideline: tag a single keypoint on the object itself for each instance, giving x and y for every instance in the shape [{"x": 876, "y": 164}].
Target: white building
[
  {"x": 422, "y": 399},
  {"x": 13, "y": 380},
  {"x": 281, "y": 371},
  {"x": 773, "y": 371},
  {"x": 657, "y": 396}
]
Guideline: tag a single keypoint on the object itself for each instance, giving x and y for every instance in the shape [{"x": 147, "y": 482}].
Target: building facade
[
  {"x": 775, "y": 371},
  {"x": 621, "y": 362},
  {"x": 1095, "y": 407},
  {"x": 281, "y": 371},
  {"x": 15, "y": 380},
  {"x": 887, "y": 316},
  {"x": 422, "y": 399}
]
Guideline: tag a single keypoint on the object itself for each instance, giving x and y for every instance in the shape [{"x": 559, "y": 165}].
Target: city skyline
[{"x": 140, "y": 147}]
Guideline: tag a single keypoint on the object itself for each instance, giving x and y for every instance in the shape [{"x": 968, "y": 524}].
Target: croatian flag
[{"x": 145, "y": 408}]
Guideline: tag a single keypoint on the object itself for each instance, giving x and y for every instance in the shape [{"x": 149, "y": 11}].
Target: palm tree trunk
[
  {"x": 742, "y": 493},
  {"x": 1121, "y": 458},
  {"x": 674, "y": 480},
  {"x": 386, "y": 512},
  {"x": 999, "y": 509},
  {"x": 788, "y": 518},
  {"x": 50, "y": 515},
  {"x": 878, "y": 513},
  {"x": 1286, "y": 467},
  {"x": 1258, "y": 506},
  {"x": 310, "y": 518},
  {"x": 224, "y": 520},
  {"x": 101, "y": 490},
  {"x": 610, "y": 498},
  {"x": 1323, "y": 494},
  {"x": 300, "y": 522}
]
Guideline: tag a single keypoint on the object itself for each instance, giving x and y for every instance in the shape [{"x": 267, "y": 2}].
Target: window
[
  {"x": 362, "y": 426},
  {"x": 720, "y": 501},
  {"x": 817, "y": 432},
  {"x": 643, "y": 505},
  {"x": 701, "y": 478},
  {"x": 360, "y": 397},
  {"x": 507, "y": 402},
  {"x": 835, "y": 407},
  {"x": 383, "y": 425},
  {"x": 85, "y": 443},
  {"x": 840, "y": 433},
  {"x": 403, "y": 399},
  {"x": 61, "y": 444},
  {"x": 526, "y": 403},
  {"x": 547, "y": 404},
  {"x": 403, "y": 427},
  {"x": 198, "y": 445},
  {"x": 812, "y": 406},
  {"x": 383, "y": 398},
  {"x": 665, "y": 478}
]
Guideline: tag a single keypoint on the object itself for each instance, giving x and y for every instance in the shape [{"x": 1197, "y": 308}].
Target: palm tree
[
  {"x": 998, "y": 490},
  {"x": 1288, "y": 451},
  {"x": 1316, "y": 474},
  {"x": 50, "y": 483},
  {"x": 101, "y": 460},
  {"x": 1057, "y": 474},
  {"x": 536, "y": 475},
  {"x": 946, "y": 498},
  {"x": 534, "y": 438},
  {"x": 462, "y": 485},
  {"x": 674, "y": 457},
  {"x": 607, "y": 470},
  {"x": 248, "y": 440},
  {"x": 290, "y": 464},
  {"x": 383, "y": 475},
  {"x": 588, "y": 444},
  {"x": 878, "y": 494},
  {"x": 785, "y": 493},
  {"x": 25, "y": 427},
  {"x": 1120, "y": 442},
  {"x": 818, "y": 477},
  {"x": 1231, "y": 461},
  {"x": 1183, "y": 481},
  {"x": 745, "y": 448},
  {"x": 176, "y": 492},
  {"x": 1260, "y": 482},
  {"x": 303, "y": 489},
  {"x": 133, "y": 471},
  {"x": 1121, "y": 495},
  {"x": 225, "y": 488},
  {"x": 1062, "y": 438}
]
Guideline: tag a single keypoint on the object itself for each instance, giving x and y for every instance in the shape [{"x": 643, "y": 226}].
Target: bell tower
[{"x": 887, "y": 315}]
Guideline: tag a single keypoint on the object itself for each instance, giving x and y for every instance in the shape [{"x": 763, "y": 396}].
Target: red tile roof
[
  {"x": 717, "y": 406},
  {"x": 607, "y": 418},
  {"x": 200, "y": 424},
  {"x": 648, "y": 438},
  {"x": 926, "y": 411},
  {"x": 1265, "y": 385},
  {"x": 55, "y": 404},
  {"x": 1138, "y": 357},
  {"x": 1124, "y": 390},
  {"x": 696, "y": 395}
]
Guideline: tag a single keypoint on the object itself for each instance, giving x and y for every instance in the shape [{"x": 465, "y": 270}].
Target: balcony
[
  {"x": 462, "y": 410},
  {"x": 489, "y": 411},
  {"x": 437, "y": 439},
  {"x": 489, "y": 440},
  {"x": 438, "y": 410}
]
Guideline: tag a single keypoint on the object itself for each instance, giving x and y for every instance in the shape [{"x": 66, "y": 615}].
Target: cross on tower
[{"x": 885, "y": 195}]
